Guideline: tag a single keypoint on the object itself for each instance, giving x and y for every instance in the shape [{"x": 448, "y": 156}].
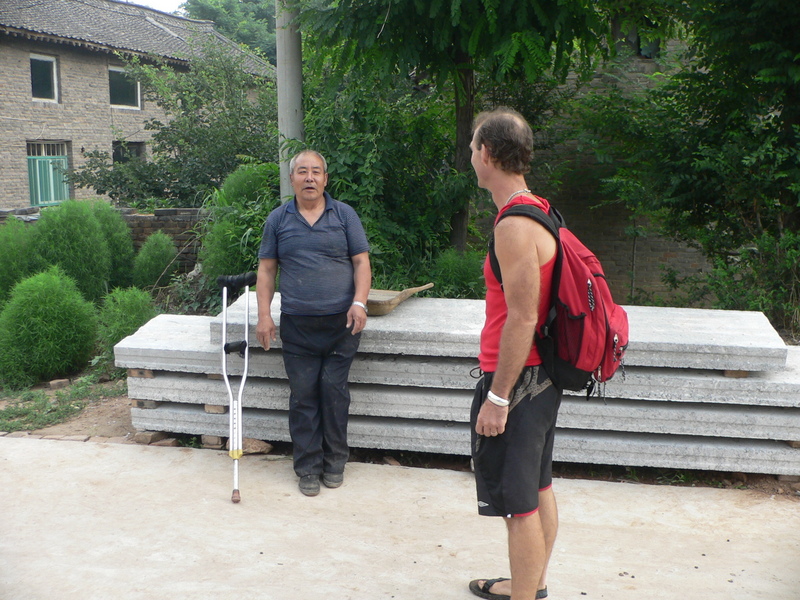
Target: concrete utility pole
[{"x": 290, "y": 87}]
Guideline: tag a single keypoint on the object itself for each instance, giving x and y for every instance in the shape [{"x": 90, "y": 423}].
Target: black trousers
[{"x": 317, "y": 354}]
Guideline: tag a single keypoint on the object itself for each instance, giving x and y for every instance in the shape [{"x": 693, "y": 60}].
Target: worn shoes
[
  {"x": 332, "y": 480},
  {"x": 309, "y": 485}
]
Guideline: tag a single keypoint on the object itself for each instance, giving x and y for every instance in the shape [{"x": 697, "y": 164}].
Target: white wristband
[
  {"x": 362, "y": 305},
  {"x": 497, "y": 400}
]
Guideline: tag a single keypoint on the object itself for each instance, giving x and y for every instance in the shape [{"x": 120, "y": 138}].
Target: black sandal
[{"x": 482, "y": 591}]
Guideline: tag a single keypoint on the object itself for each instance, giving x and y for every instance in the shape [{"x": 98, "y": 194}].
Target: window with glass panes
[
  {"x": 123, "y": 91},
  {"x": 44, "y": 80}
]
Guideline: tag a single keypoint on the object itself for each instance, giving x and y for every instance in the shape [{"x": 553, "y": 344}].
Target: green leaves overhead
[{"x": 501, "y": 38}]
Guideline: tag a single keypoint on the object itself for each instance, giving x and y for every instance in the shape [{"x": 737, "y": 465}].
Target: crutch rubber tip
[{"x": 235, "y": 497}]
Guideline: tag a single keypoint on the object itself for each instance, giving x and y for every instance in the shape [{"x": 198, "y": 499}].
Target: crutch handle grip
[
  {"x": 239, "y": 347},
  {"x": 236, "y": 282}
]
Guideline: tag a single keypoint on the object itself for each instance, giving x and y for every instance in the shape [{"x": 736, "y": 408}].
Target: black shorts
[{"x": 511, "y": 469}]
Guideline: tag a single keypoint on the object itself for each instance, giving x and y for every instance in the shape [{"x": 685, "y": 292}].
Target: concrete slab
[
  {"x": 448, "y": 437},
  {"x": 779, "y": 387},
  {"x": 660, "y": 336},
  {"x": 181, "y": 345},
  {"x": 419, "y": 435},
  {"x": 676, "y": 452},
  {"x": 418, "y": 326},
  {"x": 706, "y": 420},
  {"x": 88, "y": 521},
  {"x": 703, "y": 339},
  {"x": 611, "y": 414},
  {"x": 368, "y": 400}
]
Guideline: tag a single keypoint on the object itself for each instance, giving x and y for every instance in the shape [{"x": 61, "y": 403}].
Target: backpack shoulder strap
[{"x": 552, "y": 222}]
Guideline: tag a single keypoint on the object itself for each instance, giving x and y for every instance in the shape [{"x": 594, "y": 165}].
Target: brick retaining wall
[{"x": 179, "y": 223}]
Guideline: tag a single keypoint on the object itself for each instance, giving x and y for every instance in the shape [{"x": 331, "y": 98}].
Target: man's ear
[{"x": 486, "y": 155}]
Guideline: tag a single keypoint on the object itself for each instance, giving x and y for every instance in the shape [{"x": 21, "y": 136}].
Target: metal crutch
[{"x": 234, "y": 283}]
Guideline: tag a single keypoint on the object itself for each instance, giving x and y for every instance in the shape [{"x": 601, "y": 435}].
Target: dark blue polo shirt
[{"x": 316, "y": 270}]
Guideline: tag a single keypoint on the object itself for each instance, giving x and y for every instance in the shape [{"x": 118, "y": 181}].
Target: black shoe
[
  {"x": 309, "y": 485},
  {"x": 332, "y": 480}
]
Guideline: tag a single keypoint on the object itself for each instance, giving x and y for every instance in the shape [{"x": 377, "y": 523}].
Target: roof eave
[{"x": 55, "y": 39}]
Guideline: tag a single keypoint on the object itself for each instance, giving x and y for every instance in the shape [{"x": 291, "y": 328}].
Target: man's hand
[
  {"x": 491, "y": 419},
  {"x": 357, "y": 317},
  {"x": 265, "y": 331}
]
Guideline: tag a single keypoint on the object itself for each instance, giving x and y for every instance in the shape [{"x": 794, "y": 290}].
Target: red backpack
[{"x": 584, "y": 338}]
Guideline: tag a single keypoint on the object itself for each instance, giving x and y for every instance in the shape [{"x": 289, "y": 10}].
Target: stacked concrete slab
[{"x": 702, "y": 389}]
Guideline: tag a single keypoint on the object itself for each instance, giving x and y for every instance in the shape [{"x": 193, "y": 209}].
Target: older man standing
[
  {"x": 325, "y": 276},
  {"x": 515, "y": 405}
]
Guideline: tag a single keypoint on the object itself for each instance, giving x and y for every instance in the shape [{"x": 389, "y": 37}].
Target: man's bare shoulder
[{"x": 518, "y": 234}]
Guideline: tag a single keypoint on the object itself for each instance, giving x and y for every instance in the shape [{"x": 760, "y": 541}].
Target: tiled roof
[{"x": 111, "y": 25}]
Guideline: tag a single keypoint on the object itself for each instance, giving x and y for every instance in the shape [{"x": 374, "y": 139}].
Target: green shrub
[
  {"x": 763, "y": 277},
  {"x": 122, "y": 313},
  {"x": 459, "y": 275},
  {"x": 47, "y": 329},
  {"x": 15, "y": 248},
  {"x": 251, "y": 183},
  {"x": 156, "y": 261},
  {"x": 237, "y": 212},
  {"x": 70, "y": 236},
  {"x": 120, "y": 243}
]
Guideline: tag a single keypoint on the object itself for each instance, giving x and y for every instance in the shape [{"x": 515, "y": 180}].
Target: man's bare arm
[{"x": 265, "y": 291}]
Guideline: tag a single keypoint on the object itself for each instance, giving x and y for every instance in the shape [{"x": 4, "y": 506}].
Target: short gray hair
[{"x": 293, "y": 162}]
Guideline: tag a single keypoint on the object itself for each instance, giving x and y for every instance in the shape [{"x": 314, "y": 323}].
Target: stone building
[{"x": 63, "y": 88}]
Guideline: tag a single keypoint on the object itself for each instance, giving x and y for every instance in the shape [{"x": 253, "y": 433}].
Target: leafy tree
[
  {"x": 712, "y": 151},
  {"x": 450, "y": 40},
  {"x": 387, "y": 143},
  {"x": 216, "y": 113},
  {"x": 250, "y": 22}
]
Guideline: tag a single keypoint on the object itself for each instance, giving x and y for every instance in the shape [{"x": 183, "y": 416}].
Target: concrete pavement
[{"x": 97, "y": 521}]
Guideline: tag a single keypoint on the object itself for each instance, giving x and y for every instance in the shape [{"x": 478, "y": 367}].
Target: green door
[{"x": 46, "y": 174}]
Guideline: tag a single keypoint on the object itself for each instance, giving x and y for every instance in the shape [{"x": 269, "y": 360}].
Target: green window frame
[{"x": 47, "y": 164}]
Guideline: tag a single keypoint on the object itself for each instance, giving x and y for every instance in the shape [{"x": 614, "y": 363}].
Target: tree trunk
[{"x": 465, "y": 111}]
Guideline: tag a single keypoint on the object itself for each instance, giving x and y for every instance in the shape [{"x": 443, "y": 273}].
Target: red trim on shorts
[
  {"x": 527, "y": 514},
  {"x": 535, "y": 510}
]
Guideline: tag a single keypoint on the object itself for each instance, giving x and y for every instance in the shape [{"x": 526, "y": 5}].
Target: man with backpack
[{"x": 514, "y": 411}]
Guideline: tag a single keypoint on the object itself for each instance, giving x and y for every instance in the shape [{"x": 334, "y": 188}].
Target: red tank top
[{"x": 496, "y": 309}]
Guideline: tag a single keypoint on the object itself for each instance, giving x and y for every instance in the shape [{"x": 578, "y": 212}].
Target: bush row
[{"x": 65, "y": 289}]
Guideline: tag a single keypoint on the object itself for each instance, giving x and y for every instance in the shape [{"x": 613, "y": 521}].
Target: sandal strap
[{"x": 490, "y": 582}]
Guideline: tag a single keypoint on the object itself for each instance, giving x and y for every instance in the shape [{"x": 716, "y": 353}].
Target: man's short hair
[
  {"x": 508, "y": 136},
  {"x": 293, "y": 161}
]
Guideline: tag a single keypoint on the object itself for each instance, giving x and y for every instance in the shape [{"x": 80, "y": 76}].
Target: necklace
[{"x": 517, "y": 193}]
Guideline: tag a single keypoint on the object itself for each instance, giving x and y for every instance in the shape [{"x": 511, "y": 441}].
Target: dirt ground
[{"x": 109, "y": 417}]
